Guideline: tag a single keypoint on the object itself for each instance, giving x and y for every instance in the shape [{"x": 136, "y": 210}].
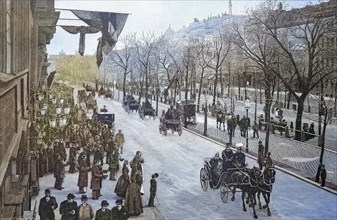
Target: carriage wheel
[
  {"x": 224, "y": 191},
  {"x": 180, "y": 131},
  {"x": 204, "y": 180}
]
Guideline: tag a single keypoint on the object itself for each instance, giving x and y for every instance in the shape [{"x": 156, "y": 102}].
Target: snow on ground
[
  {"x": 178, "y": 160},
  {"x": 299, "y": 159}
]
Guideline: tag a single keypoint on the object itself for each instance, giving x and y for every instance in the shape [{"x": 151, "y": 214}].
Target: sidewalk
[{"x": 298, "y": 156}]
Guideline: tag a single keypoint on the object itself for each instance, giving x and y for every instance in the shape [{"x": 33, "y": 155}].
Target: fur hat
[
  {"x": 47, "y": 191},
  {"x": 155, "y": 175},
  {"x": 84, "y": 198}
]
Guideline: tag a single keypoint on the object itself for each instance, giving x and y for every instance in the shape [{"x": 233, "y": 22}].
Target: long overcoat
[
  {"x": 96, "y": 175},
  {"x": 66, "y": 210},
  {"x": 133, "y": 200}
]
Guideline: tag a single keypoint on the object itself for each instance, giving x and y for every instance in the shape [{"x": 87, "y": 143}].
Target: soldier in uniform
[
  {"x": 85, "y": 211},
  {"x": 153, "y": 189},
  {"x": 119, "y": 140},
  {"x": 68, "y": 208},
  {"x": 113, "y": 164},
  {"x": 227, "y": 155},
  {"x": 260, "y": 155},
  {"x": 239, "y": 158},
  {"x": 96, "y": 175},
  {"x": 47, "y": 206},
  {"x": 72, "y": 158},
  {"x": 119, "y": 212},
  {"x": 103, "y": 213}
]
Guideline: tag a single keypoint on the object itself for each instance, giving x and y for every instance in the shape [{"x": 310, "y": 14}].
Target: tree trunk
[
  {"x": 215, "y": 87},
  {"x": 267, "y": 117},
  {"x": 124, "y": 82},
  {"x": 200, "y": 87},
  {"x": 298, "y": 127}
]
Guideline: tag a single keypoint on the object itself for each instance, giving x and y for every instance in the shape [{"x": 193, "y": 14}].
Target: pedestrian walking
[
  {"x": 59, "y": 173},
  {"x": 323, "y": 174},
  {"x": 68, "y": 208},
  {"x": 85, "y": 211},
  {"x": 153, "y": 189},
  {"x": 260, "y": 155},
  {"x": 255, "y": 130},
  {"x": 119, "y": 212},
  {"x": 103, "y": 213},
  {"x": 133, "y": 200},
  {"x": 47, "y": 206},
  {"x": 119, "y": 140},
  {"x": 113, "y": 164}
]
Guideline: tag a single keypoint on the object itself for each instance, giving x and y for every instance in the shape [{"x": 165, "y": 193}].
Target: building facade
[{"x": 25, "y": 29}]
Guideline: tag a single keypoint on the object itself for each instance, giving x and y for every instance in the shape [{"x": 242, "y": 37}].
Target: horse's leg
[
  {"x": 233, "y": 194},
  {"x": 258, "y": 197},
  {"x": 253, "y": 204},
  {"x": 267, "y": 200},
  {"x": 243, "y": 201}
]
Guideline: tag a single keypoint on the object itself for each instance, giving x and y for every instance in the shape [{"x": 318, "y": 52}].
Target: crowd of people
[{"x": 90, "y": 142}]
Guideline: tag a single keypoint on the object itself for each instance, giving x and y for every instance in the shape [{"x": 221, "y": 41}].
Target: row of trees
[{"x": 297, "y": 55}]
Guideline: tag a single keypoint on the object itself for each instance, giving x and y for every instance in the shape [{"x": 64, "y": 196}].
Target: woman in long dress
[
  {"x": 133, "y": 200},
  {"x": 123, "y": 181}
]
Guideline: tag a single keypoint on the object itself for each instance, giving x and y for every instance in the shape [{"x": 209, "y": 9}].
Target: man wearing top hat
[
  {"x": 68, "y": 208},
  {"x": 119, "y": 212},
  {"x": 47, "y": 206},
  {"x": 103, "y": 213},
  {"x": 239, "y": 158},
  {"x": 153, "y": 189}
]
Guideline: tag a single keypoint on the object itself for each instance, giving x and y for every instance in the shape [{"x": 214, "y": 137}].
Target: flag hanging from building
[{"x": 110, "y": 25}]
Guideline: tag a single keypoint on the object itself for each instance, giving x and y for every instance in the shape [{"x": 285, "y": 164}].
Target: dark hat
[
  {"x": 260, "y": 142},
  {"x": 47, "y": 191},
  {"x": 155, "y": 175},
  {"x": 84, "y": 198},
  {"x": 119, "y": 201},
  {"x": 70, "y": 196},
  {"x": 104, "y": 203}
]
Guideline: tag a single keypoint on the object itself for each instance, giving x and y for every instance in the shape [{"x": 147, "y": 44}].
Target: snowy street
[{"x": 178, "y": 160}]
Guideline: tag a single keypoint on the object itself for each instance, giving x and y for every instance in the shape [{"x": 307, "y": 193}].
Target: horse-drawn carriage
[
  {"x": 106, "y": 118},
  {"x": 147, "y": 111},
  {"x": 130, "y": 104},
  {"x": 188, "y": 110},
  {"x": 175, "y": 125},
  {"x": 250, "y": 181}
]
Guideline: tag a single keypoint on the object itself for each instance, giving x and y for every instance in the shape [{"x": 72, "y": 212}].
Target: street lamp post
[{"x": 247, "y": 106}]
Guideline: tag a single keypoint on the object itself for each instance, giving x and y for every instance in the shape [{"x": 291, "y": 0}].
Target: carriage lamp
[
  {"x": 247, "y": 107},
  {"x": 58, "y": 110}
]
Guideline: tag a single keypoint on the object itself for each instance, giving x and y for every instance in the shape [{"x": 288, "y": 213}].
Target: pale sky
[{"x": 154, "y": 16}]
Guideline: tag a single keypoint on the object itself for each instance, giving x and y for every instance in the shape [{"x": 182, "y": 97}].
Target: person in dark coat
[
  {"x": 227, "y": 158},
  {"x": 59, "y": 173},
  {"x": 260, "y": 155},
  {"x": 47, "y": 206},
  {"x": 72, "y": 158},
  {"x": 215, "y": 163},
  {"x": 153, "y": 189},
  {"x": 239, "y": 158},
  {"x": 103, "y": 213},
  {"x": 323, "y": 174},
  {"x": 119, "y": 212},
  {"x": 83, "y": 174},
  {"x": 68, "y": 208},
  {"x": 96, "y": 176}
]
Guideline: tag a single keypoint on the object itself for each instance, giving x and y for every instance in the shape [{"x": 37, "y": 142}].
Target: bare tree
[
  {"x": 122, "y": 57},
  {"x": 302, "y": 45}
]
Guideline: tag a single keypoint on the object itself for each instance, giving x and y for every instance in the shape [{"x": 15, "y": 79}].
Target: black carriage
[
  {"x": 175, "y": 125},
  {"x": 188, "y": 110},
  {"x": 147, "y": 111},
  {"x": 225, "y": 181},
  {"x": 130, "y": 104},
  {"x": 106, "y": 118}
]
